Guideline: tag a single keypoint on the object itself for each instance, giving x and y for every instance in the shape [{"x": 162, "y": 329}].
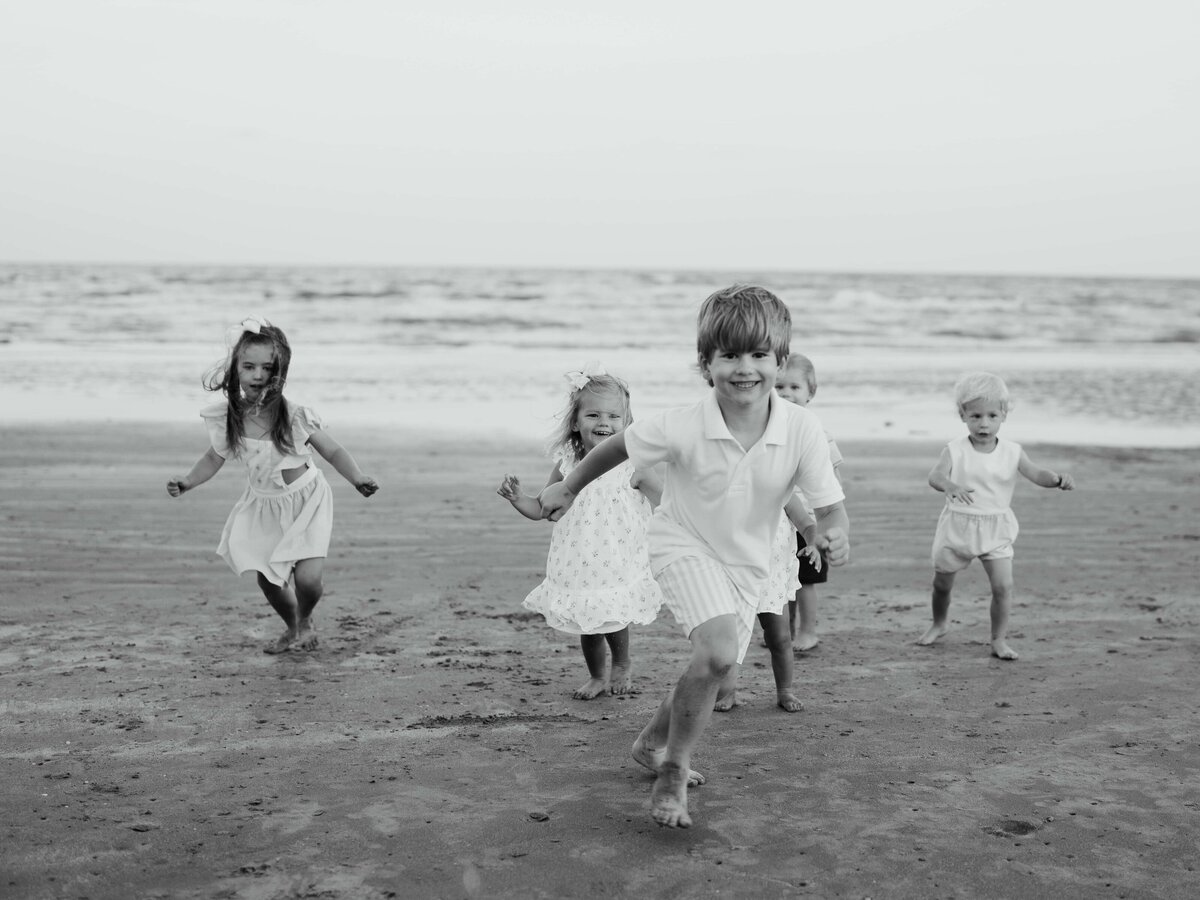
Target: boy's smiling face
[{"x": 742, "y": 379}]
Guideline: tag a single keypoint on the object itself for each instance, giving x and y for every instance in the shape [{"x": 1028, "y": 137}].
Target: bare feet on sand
[
  {"x": 789, "y": 701},
  {"x": 283, "y": 643},
  {"x": 306, "y": 638},
  {"x": 594, "y": 688},
  {"x": 620, "y": 679},
  {"x": 935, "y": 631},
  {"x": 668, "y": 798},
  {"x": 1001, "y": 650},
  {"x": 805, "y": 641},
  {"x": 726, "y": 702},
  {"x": 653, "y": 759}
]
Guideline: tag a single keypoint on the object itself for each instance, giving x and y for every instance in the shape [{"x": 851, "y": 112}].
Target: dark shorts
[{"x": 807, "y": 574}]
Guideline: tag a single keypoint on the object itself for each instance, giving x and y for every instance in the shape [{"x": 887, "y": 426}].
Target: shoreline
[{"x": 431, "y": 747}]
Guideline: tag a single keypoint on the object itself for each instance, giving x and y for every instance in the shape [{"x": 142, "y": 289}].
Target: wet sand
[{"x": 431, "y": 748}]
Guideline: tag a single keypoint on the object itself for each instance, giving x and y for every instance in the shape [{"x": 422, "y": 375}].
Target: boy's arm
[
  {"x": 556, "y": 498},
  {"x": 339, "y": 457},
  {"x": 1044, "y": 477},
  {"x": 939, "y": 480},
  {"x": 205, "y": 468},
  {"x": 833, "y": 533}
]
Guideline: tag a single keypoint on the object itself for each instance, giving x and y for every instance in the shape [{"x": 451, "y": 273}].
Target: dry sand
[{"x": 431, "y": 748}]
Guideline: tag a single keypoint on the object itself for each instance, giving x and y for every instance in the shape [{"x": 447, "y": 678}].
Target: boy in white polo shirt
[{"x": 732, "y": 461}]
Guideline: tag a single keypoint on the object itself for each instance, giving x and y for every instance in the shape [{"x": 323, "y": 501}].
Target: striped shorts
[{"x": 697, "y": 589}]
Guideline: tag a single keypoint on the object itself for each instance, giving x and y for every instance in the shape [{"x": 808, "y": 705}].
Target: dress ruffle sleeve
[
  {"x": 214, "y": 421},
  {"x": 304, "y": 422}
]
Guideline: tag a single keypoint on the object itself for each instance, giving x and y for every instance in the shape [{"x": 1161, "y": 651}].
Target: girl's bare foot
[
  {"x": 620, "y": 680},
  {"x": 653, "y": 759},
  {"x": 306, "y": 635},
  {"x": 727, "y": 702},
  {"x": 789, "y": 701},
  {"x": 935, "y": 631},
  {"x": 668, "y": 797},
  {"x": 594, "y": 688},
  {"x": 283, "y": 643},
  {"x": 805, "y": 640},
  {"x": 1001, "y": 650}
]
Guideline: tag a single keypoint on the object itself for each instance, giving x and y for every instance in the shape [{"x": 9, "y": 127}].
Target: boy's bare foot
[
  {"x": 668, "y": 797},
  {"x": 594, "y": 688},
  {"x": 653, "y": 759},
  {"x": 1001, "y": 650},
  {"x": 306, "y": 636},
  {"x": 935, "y": 631},
  {"x": 727, "y": 702},
  {"x": 805, "y": 640},
  {"x": 789, "y": 701},
  {"x": 620, "y": 679},
  {"x": 283, "y": 643}
]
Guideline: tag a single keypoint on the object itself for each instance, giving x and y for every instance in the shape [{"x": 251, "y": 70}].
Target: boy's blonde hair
[
  {"x": 981, "y": 386},
  {"x": 800, "y": 363},
  {"x": 740, "y": 318}
]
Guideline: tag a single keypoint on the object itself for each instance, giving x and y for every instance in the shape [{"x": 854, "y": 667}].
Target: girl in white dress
[
  {"x": 598, "y": 579},
  {"x": 281, "y": 525}
]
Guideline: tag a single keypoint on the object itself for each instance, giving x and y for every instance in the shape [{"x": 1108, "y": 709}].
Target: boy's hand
[
  {"x": 510, "y": 488},
  {"x": 555, "y": 499},
  {"x": 176, "y": 486},
  {"x": 836, "y": 545},
  {"x": 1066, "y": 482},
  {"x": 366, "y": 486}
]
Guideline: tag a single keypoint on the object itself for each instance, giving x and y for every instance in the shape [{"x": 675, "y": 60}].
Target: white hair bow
[
  {"x": 579, "y": 380},
  {"x": 253, "y": 324}
]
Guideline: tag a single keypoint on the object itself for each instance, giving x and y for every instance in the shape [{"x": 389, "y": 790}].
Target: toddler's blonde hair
[{"x": 981, "y": 386}]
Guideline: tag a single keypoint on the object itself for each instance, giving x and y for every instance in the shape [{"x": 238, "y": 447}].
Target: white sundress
[
  {"x": 273, "y": 525},
  {"x": 783, "y": 579},
  {"x": 598, "y": 576}
]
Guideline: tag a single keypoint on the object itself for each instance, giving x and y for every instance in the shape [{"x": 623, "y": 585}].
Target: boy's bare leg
[
  {"x": 943, "y": 584},
  {"x": 714, "y": 654},
  {"x": 806, "y": 606},
  {"x": 283, "y": 601},
  {"x": 621, "y": 679},
  {"x": 779, "y": 641},
  {"x": 650, "y": 748},
  {"x": 595, "y": 655},
  {"x": 999, "y": 572},
  {"x": 309, "y": 576}
]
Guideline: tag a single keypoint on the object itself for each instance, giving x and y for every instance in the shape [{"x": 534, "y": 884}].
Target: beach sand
[{"x": 431, "y": 748}]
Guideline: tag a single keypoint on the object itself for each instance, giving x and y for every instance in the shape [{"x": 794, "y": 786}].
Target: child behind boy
[{"x": 732, "y": 461}]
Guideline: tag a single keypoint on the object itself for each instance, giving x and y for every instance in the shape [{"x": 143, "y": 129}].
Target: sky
[{"x": 1027, "y": 136}]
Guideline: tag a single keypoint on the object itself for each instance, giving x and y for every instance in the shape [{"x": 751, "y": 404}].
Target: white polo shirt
[{"x": 720, "y": 500}]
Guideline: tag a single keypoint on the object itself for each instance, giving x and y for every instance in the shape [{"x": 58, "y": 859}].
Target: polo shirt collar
[{"x": 716, "y": 429}]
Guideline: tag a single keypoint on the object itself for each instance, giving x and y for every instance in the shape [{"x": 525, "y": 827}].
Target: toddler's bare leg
[
  {"x": 999, "y": 572},
  {"x": 283, "y": 601},
  {"x": 595, "y": 655},
  {"x": 943, "y": 584},
  {"x": 806, "y": 603},
  {"x": 620, "y": 681},
  {"x": 309, "y": 576},
  {"x": 779, "y": 640}
]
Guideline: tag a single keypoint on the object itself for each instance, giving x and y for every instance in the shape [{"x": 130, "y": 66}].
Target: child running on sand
[
  {"x": 281, "y": 526},
  {"x": 978, "y": 474},
  {"x": 598, "y": 577},
  {"x": 798, "y": 383},
  {"x": 732, "y": 462}
]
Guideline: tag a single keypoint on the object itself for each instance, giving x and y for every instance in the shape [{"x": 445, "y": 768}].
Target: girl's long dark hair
[{"x": 224, "y": 378}]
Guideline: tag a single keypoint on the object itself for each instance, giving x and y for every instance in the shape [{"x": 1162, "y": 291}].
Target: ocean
[{"x": 474, "y": 351}]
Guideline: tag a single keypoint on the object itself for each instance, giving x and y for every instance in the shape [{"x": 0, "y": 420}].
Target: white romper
[
  {"x": 987, "y": 527},
  {"x": 598, "y": 568},
  {"x": 273, "y": 525}
]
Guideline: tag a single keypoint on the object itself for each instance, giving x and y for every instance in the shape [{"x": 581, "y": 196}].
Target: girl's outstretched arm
[
  {"x": 510, "y": 490},
  {"x": 556, "y": 499},
  {"x": 1044, "y": 477},
  {"x": 205, "y": 468},
  {"x": 807, "y": 526},
  {"x": 339, "y": 457}
]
